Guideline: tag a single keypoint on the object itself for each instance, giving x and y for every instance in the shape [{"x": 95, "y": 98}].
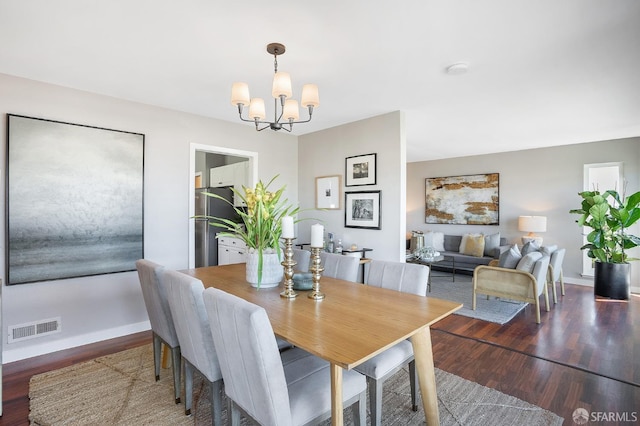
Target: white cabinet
[
  {"x": 231, "y": 250},
  {"x": 235, "y": 175},
  {"x": 222, "y": 176}
]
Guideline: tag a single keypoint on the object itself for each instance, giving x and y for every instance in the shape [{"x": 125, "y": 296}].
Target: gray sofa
[{"x": 463, "y": 263}]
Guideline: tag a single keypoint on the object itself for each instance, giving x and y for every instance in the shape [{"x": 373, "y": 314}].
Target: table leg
[
  {"x": 336, "y": 396},
  {"x": 423, "y": 354}
]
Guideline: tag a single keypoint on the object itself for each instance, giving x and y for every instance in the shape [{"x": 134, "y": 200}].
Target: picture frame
[
  {"x": 463, "y": 200},
  {"x": 360, "y": 170},
  {"x": 328, "y": 192},
  {"x": 362, "y": 209},
  {"x": 83, "y": 216}
]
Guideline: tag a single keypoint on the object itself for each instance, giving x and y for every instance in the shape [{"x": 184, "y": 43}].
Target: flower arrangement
[{"x": 261, "y": 225}]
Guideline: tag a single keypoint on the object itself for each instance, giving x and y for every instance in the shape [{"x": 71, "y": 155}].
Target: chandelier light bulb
[
  {"x": 310, "y": 95},
  {"x": 281, "y": 85},
  {"x": 256, "y": 109}
]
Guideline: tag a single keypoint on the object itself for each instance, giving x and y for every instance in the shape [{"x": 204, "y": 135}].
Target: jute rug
[
  {"x": 120, "y": 389},
  {"x": 496, "y": 310}
]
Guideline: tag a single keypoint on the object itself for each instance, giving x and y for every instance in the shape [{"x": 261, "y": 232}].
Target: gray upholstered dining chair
[
  {"x": 154, "y": 293},
  {"x": 408, "y": 278},
  {"x": 192, "y": 328},
  {"x": 340, "y": 266},
  {"x": 302, "y": 259},
  {"x": 292, "y": 388}
]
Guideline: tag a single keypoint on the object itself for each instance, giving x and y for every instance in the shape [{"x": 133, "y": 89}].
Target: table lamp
[{"x": 532, "y": 224}]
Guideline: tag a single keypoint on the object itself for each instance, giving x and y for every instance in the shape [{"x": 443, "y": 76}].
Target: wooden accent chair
[
  {"x": 514, "y": 284},
  {"x": 155, "y": 296},
  {"x": 555, "y": 272}
]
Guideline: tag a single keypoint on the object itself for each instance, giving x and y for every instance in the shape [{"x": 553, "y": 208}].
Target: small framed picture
[
  {"x": 328, "y": 192},
  {"x": 360, "y": 170},
  {"x": 362, "y": 210}
]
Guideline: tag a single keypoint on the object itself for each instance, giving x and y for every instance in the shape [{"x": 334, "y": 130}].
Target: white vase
[{"x": 272, "y": 270}]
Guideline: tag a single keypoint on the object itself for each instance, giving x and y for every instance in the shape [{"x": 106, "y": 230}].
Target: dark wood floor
[{"x": 584, "y": 354}]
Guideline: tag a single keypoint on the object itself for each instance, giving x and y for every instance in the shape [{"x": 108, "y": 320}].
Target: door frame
[{"x": 251, "y": 179}]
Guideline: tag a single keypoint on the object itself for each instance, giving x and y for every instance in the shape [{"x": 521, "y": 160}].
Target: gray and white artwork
[{"x": 75, "y": 200}]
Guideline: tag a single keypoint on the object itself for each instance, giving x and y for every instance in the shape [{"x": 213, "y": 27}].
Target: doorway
[{"x": 202, "y": 159}]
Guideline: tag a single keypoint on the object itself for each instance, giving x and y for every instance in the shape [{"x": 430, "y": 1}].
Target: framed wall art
[
  {"x": 328, "y": 192},
  {"x": 362, "y": 210},
  {"x": 83, "y": 215},
  {"x": 468, "y": 200},
  {"x": 360, "y": 170}
]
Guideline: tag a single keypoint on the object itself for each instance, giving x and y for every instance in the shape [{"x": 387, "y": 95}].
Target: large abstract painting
[
  {"x": 469, "y": 200},
  {"x": 74, "y": 200}
]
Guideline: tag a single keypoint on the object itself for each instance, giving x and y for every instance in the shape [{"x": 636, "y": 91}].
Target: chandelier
[{"x": 289, "y": 112}]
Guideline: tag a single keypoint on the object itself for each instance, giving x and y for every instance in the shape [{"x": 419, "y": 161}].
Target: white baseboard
[
  {"x": 11, "y": 355},
  {"x": 589, "y": 283}
]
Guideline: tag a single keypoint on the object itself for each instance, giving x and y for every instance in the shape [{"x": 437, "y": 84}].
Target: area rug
[
  {"x": 496, "y": 310},
  {"x": 120, "y": 389}
]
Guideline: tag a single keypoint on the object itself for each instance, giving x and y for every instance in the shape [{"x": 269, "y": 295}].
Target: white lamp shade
[
  {"x": 256, "y": 109},
  {"x": 532, "y": 223},
  {"x": 291, "y": 111},
  {"x": 281, "y": 85},
  {"x": 310, "y": 95},
  {"x": 240, "y": 94}
]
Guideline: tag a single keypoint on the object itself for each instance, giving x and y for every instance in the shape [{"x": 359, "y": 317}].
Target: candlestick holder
[
  {"x": 316, "y": 272},
  {"x": 288, "y": 263}
]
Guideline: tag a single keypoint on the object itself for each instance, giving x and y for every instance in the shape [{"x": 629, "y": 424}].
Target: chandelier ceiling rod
[{"x": 281, "y": 90}]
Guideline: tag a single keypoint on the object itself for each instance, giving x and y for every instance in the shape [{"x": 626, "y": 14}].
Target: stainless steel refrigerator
[{"x": 206, "y": 244}]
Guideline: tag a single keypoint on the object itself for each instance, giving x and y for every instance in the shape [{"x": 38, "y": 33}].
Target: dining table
[{"x": 353, "y": 323}]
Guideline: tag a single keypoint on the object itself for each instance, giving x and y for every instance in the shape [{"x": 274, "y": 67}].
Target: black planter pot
[{"x": 612, "y": 280}]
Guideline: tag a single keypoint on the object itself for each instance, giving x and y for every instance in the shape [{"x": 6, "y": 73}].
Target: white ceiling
[{"x": 541, "y": 72}]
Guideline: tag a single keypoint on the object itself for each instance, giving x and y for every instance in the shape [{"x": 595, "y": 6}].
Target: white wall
[
  {"x": 105, "y": 306},
  {"x": 543, "y": 181},
  {"x": 323, "y": 153}
]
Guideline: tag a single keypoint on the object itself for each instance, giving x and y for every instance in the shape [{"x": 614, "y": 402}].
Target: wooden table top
[{"x": 352, "y": 324}]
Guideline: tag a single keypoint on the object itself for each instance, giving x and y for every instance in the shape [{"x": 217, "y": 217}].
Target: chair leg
[
  {"x": 188, "y": 387},
  {"x": 561, "y": 283},
  {"x": 546, "y": 296},
  {"x": 176, "y": 357},
  {"x": 216, "y": 402},
  {"x": 235, "y": 413},
  {"x": 157, "y": 343},
  {"x": 413, "y": 379},
  {"x": 359, "y": 410},
  {"x": 375, "y": 400}
]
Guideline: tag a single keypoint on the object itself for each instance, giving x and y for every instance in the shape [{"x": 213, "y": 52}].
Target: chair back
[
  {"x": 192, "y": 325},
  {"x": 340, "y": 266},
  {"x": 302, "y": 259},
  {"x": 540, "y": 270},
  {"x": 406, "y": 277},
  {"x": 155, "y": 294},
  {"x": 249, "y": 358},
  {"x": 557, "y": 257}
]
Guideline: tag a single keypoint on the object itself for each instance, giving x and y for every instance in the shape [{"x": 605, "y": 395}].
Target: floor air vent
[{"x": 34, "y": 329}]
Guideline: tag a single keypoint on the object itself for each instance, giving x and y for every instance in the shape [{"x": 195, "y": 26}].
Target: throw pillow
[
  {"x": 510, "y": 258},
  {"x": 548, "y": 250},
  {"x": 491, "y": 243},
  {"x": 435, "y": 240},
  {"x": 472, "y": 245},
  {"x": 528, "y": 261},
  {"x": 529, "y": 247}
]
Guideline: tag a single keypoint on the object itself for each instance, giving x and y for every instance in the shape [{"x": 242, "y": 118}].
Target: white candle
[
  {"x": 287, "y": 227},
  {"x": 317, "y": 235}
]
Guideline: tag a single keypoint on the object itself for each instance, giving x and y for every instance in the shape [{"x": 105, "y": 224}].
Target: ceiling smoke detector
[{"x": 457, "y": 68}]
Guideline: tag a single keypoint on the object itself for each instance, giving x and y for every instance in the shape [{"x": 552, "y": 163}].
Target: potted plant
[
  {"x": 260, "y": 229},
  {"x": 609, "y": 215}
]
